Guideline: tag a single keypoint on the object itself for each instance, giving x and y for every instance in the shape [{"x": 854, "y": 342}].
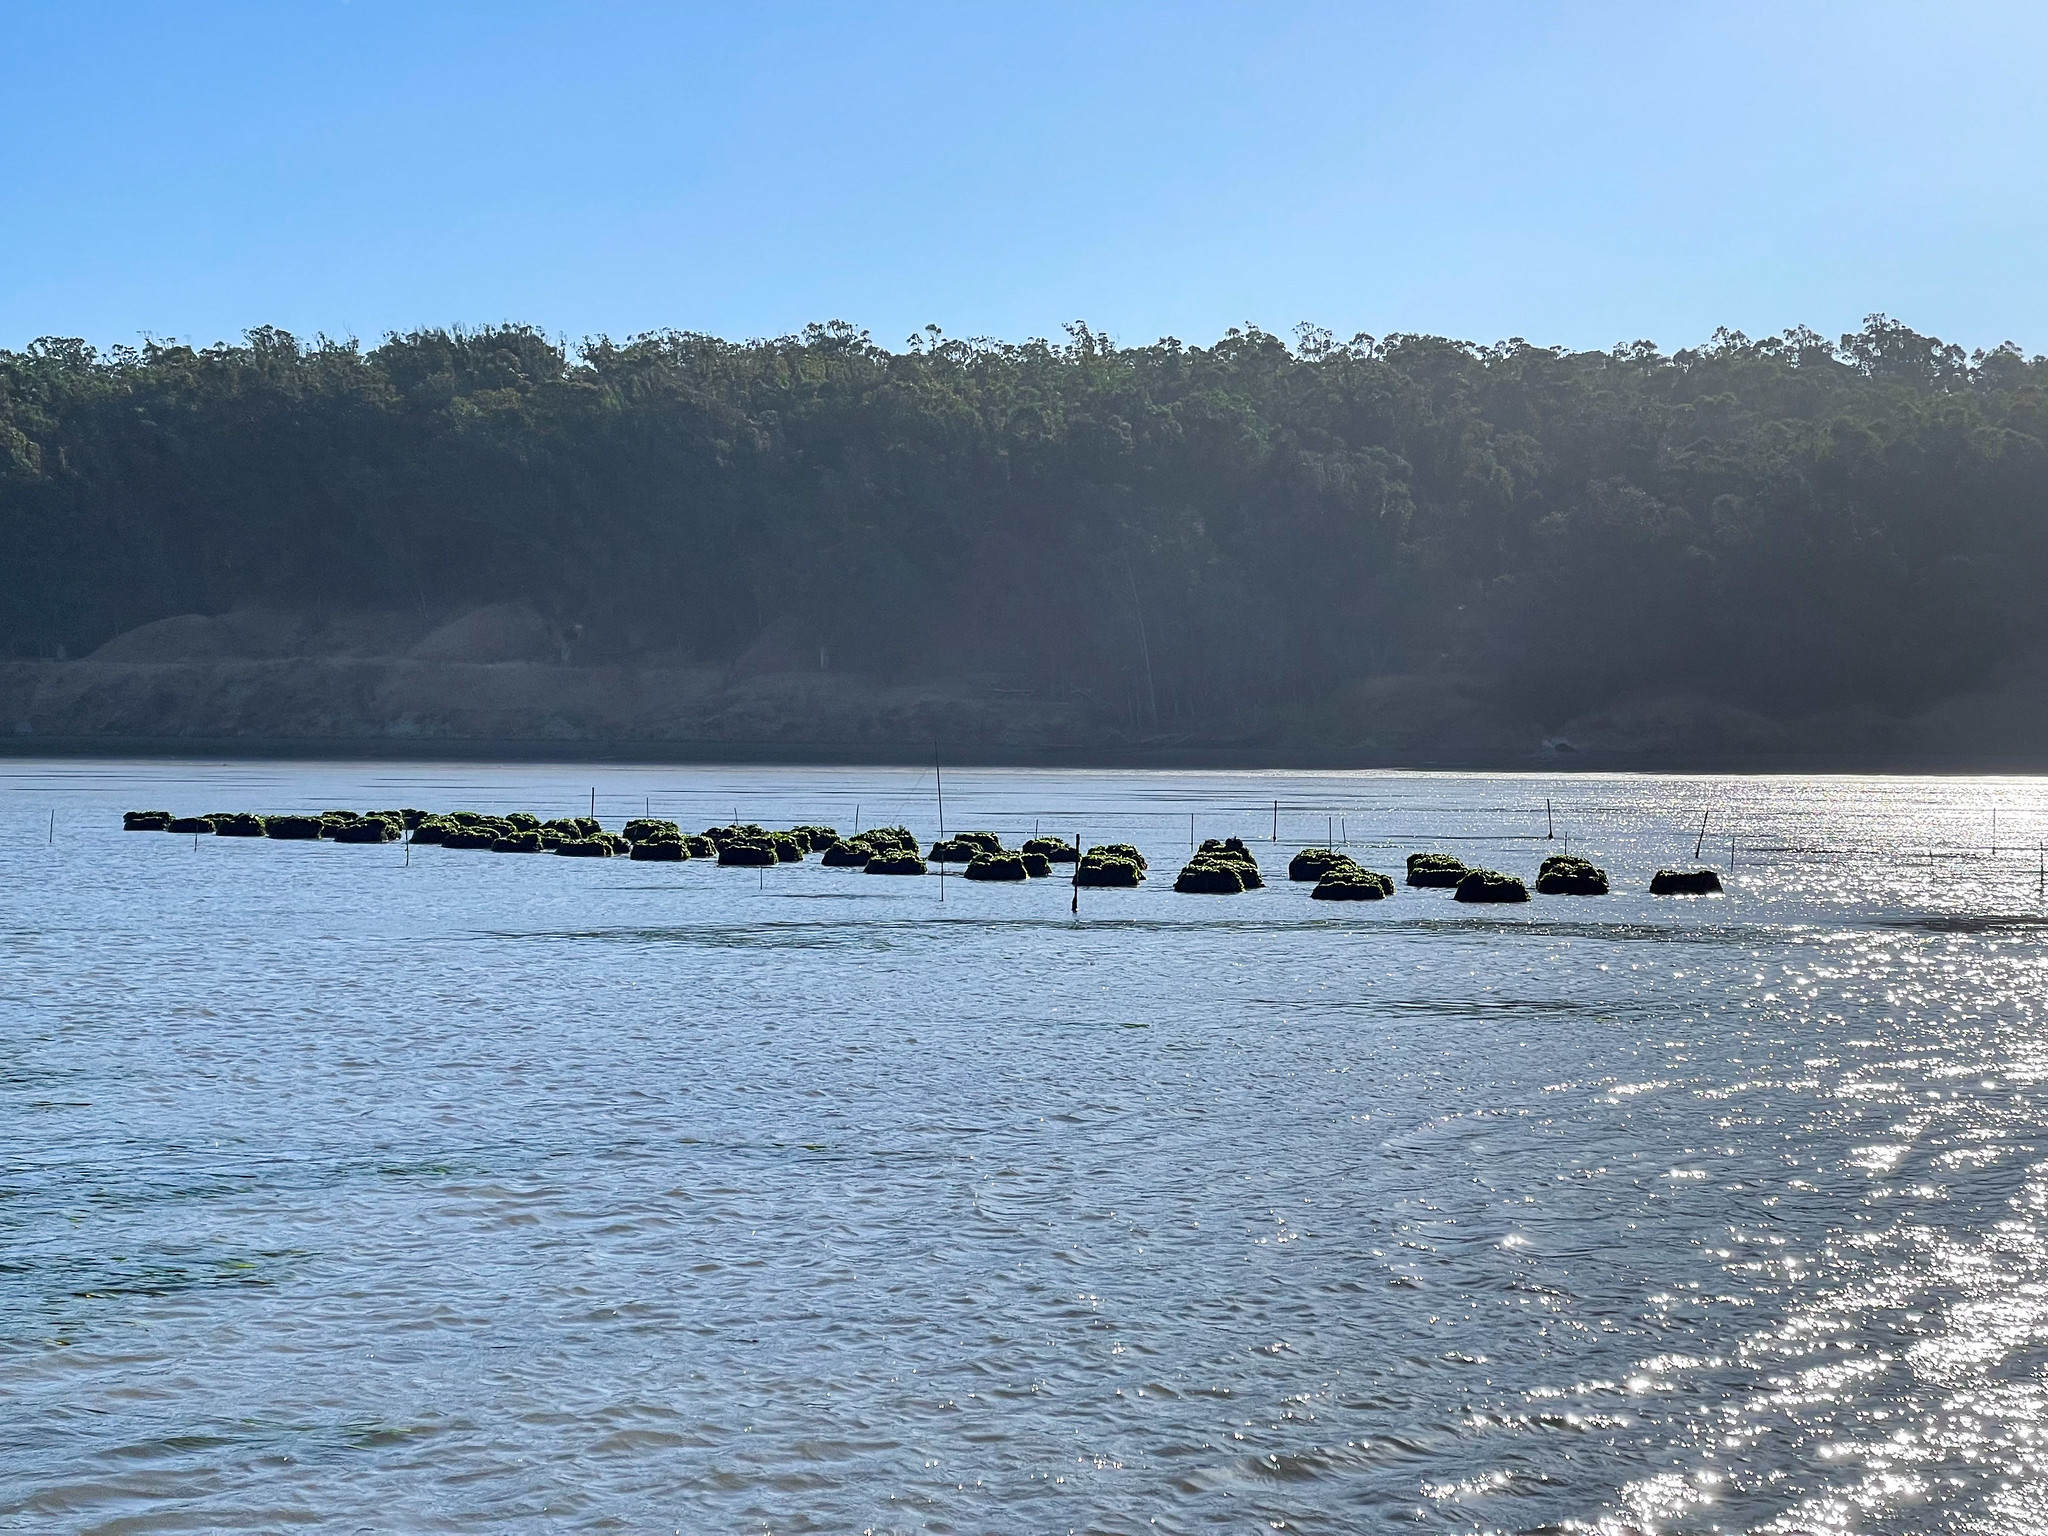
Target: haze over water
[{"x": 538, "y": 1194}]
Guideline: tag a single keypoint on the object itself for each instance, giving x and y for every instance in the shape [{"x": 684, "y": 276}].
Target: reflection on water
[{"x": 538, "y": 1194}]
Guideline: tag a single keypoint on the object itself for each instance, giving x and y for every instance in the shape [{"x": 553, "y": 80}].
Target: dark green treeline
[{"x": 1182, "y": 532}]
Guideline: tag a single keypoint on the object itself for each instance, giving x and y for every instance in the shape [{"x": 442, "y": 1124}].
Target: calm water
[{"x": 538, "y": 1194}]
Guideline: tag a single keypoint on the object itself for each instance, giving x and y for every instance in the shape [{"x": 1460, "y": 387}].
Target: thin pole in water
[
  {"x": 1703, "y": 832},
  {"x": 1191, "y": 831},
  {"x": 1276, "y": 821},
  {"x": 2040, "y": 848},
  {"x": 1344, "y": 826},
  {"x": 408, "y": 850},
  {"x": 1329, "y": 829},
  {"x": 1077, "y": 874},
  {"x": 1549, "y": 821},
  {"x": 53, "y": 826},
  {"x": 856, "y": 817},
  {"x": 1567, "y": 845},
  {"x": 940, "y": 780},
  {"x": 593, "y": 802},
  {"x": 1731, "y": 853},
  {"x": 1994, "y": 832}
]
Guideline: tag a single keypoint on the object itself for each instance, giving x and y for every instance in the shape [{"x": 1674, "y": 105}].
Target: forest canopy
[{"x": 1786, "y": 523}]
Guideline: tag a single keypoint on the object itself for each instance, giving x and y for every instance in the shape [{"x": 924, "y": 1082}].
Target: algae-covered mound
[
  {"x": 432, "y": 830},
  {"x": 788, "y": 849},
  {"x": 1490, "y": 885},
  {"x": 896, "y": 861},
  {"x": 747, "y": 855},
  {"x": 599, "y": 847},
  {"x": 1052, "y": 849},
  {"x": 700, "y": 847},
  {"x": 1348, "y": 882},
  {"x": 962, "y": 847},
  {"x": 521, "y": 821},
  {"x": 412, "y": 817},
  {"x": 237, "y": 824},
  {"x": 1564, "y": 874},
  {"x": 661, "y": 850},
  {"x": 814, "y": 837},
  {"x": 889, "y": 837},
  {"x": 1108, "y": 865},
  {"x": 1037, "y": 865},
  {"x": 1435, "y": 869},
  {"x": 329, "y": 820},
  {"x": 1206, "y": 876},
  {"x": 296, "y": 829},
  {"x": 1231, "y": 850},
  {"x": 642, "y": 828},
  {"x": 190, "y": 825},
  {"x": 377, "y": 827},
  {"x": 1314, "y": 863},
  {"x": 472, "y": 837},
  {"x": 145, "y": 821},
  {"x": 737, "y": 832},
  {"x": 998, "y": 866},
  {"x": 1685, "y": 882},
  {"x": 854, "y": 853},
  {"x": 518, "y": 842}
]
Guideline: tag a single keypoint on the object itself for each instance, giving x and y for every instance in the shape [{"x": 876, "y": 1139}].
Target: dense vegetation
[{"x": 1178, "y": 531}]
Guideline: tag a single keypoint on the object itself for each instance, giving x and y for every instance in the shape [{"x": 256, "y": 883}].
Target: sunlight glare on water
[{"x": 455, "y": 1191}]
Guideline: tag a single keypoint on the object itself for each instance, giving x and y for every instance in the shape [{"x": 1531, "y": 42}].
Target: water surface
[{"x": 481, "y": 1193}]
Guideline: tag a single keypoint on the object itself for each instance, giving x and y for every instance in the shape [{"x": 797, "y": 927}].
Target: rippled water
[{"x": 538, "y": 1194}]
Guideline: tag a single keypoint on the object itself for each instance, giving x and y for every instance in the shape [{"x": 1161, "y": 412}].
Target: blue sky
[{"x": 1578, "y": 174}]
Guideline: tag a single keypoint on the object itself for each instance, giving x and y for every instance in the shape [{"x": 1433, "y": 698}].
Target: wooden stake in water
[
  {"x": 940, "y": 779},
  {"x": 1191, "y": 831},
  {"x": 1077, "y": 874},
  {"x": 593, "y": 802},
  {"x": 1549, "y": 821},
  {"x": 1276, "y": 821},
  {"x": 53, "y": 826},
  {"x": 1703, "y": 832}
]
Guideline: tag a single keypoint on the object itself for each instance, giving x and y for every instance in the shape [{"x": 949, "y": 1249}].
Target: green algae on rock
[
  {"x": 296, "y": 829},
  {"x": 896, "y": 861},
  {"x": 998, "y": 866},
  {"x": 1565, "y": 874},
  {"x": 1435, "y": 869},
  {"x": 1314, "y": 863},
  {"x": 145, "y": 821},
  {"x": 1348, "y": 882},
  {"x": 1037, "y": 865},
  {"x": 1109, "y": 867},
  {"x": 1486, "y": 885},
  {"x": 1052, "y": 850},
  {"x": 1206, "y": 876},
  {"x": 599, "y": 847},
  {"x": 519, "y": 842},
  {"x": 191, "y": 826},
  {"x": 236, "y": 824}
]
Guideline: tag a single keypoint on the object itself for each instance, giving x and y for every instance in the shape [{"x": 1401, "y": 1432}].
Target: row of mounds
[
  {"x": 519, "y": 832},
  {"x": 1685, "y": 882},
  {"x": 1111, "y": 866},
  {"x": 1220, "y": 867},
  {"x": 336, "y": 826},
  {"x": 1564, "y": 874}
]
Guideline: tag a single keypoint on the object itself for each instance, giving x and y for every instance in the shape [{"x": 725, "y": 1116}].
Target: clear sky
[{"x": 1578, "y": 174}]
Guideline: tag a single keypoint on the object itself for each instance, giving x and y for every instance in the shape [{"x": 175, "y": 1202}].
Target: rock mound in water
[
  {"x": 432, "y": 830},
  {"x": 1435, "y": 869},
  {"x": 237, "y": 824},
  {"x": 599, "y": 847},
  {"x": 1111, "y": 866},
  {"x": 145, "y": 821},
  {"x": 1685, "y": 882},
  {"x": 788, "y": 849},
  {"x": 890, "y": 837},
  {"x": 853, "y": 853},
  {"x": 1565, "y": 875},
  {"x": 378, "y": 827},
  {"x": 1314, "y": 863},
  {"x": 1347, "y": 882},
  {"x": 660, "y": 850},
  {"x": 1037, "y": 865},
  {"x": 1205, "y": 876},
  {"x": 701, "y": 847},
  {"x": 190, "y": 825},
  {"x": 472, "y": 837},
  {"x": 1490, "y": 885},
  {"x": 641, "y": 828},
  {"x": 1231, "y": 850},
  {"x": 296, "y": 829},
  {"x": 998, "y": 866},
  {"x": 814, "y": 837},
  {"x": 518, "y": 842},
  {"x": 1052, "y": 850},
  {"x": 962, "y": 847},
  {"x": 748, "y": 855},
  {"x": 896, "y": 861}
]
